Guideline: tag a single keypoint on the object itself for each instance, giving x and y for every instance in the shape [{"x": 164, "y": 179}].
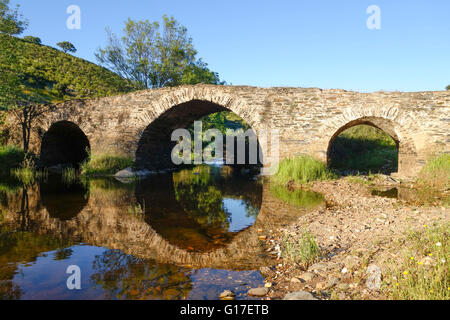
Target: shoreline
[{"x": 354, "y": 231}]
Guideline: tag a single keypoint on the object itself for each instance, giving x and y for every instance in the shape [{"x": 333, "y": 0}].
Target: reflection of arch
[
  {"x": 64, "y": 143},
  {"x": 155, "y": 145},
  {"x": 182, "y": 226},
  {"x": 63, "y": 201},
  {"x": 406, "y": 148}
]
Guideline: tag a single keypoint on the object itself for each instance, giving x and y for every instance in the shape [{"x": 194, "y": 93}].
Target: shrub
[{"x": 32, "y": 39}]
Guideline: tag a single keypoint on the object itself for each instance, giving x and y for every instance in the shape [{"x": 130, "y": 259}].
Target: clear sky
[{"x": 314, "y": 43}]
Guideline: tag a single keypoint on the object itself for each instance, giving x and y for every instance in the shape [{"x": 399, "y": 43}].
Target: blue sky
[{"x": 294, "y": 43}]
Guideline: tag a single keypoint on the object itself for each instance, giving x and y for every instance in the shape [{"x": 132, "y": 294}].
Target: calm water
[{"x": 190, "y": 234}]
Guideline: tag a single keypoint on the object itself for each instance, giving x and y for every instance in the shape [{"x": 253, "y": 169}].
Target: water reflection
[
  {"x": 63, "y": 200},
  {"x": 421, "y": 197},
  {"x": 299, "y": 198},
  {"x": 200, "y": 209},
  {"x": 185, "y": 235}
]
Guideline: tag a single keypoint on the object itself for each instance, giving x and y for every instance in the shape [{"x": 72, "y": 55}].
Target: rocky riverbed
[{"x": 357, "y": 233}]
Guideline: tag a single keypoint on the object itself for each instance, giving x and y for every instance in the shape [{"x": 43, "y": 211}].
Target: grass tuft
[
  {"x": 303, "y": 251},
  {"x": 302, "y": 169},
  {"x": 436, "y": 173},
  {"x": 105, "y": 164}
]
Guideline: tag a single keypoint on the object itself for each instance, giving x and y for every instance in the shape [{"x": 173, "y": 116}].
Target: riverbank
[{"x": 360, "y": 238}]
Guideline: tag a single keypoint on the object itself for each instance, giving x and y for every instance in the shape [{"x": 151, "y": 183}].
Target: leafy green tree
[
  {"x": 11, "y": 21},
  {"x": 447, "y": 87},
  {"x": 67, "y": 47},
  {"x": 32, "y": 39},
  {"x": 155, "y": 56}
]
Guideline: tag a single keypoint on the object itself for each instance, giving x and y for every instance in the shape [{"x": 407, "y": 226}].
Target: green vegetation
[
  {"x": 27, "y": 173},
  {"x": 364, "y": 148},
  {"x": 10, "y": 157},
  {"x": 299, "y": 198},
  {"x": 11, "y": 21},
  {"x": 303, "y": 251},
  {"x": 69, "y": 175},
  {"x": 447, "y": 87},
  {"x": 32, "y": 39},
  {"x": 49, "y": 75},
  {"x": 302, "y": 169},
  {"x": 105, "y": 164},
  {"x": 196, "y": 193},
  {"x": 436, "y": 173},
  {"x": 67, "y": 47},
  {"x": 422, "y": 274},
  {"x": 154, "y": 56}
]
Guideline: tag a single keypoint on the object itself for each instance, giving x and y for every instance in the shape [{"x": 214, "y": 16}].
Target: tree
[
  {"x": 32, "y": 39},
  {"x": 155, "y": 56},
  {"x": 447, "y": 87},
  {"x": 11, "y": 21},
  {"x": 199, "y": 73},
  {"x": 13, "y": 95},
  {"x": 67, "y": 47}
]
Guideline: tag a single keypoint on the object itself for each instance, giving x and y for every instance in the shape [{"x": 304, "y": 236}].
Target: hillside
[{"x": 55, "y": 76}]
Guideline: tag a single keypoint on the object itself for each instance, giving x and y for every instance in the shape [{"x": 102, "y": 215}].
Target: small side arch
[
  {"x": 406, "y": 149},
  {"x": 64, "y": 144}
]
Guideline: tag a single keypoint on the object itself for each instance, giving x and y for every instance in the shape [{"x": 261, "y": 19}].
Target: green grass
[
  {"x": 303, "y": 251},
  {"x": 55, "y": 76},
  {"x": 10, "y": 157},
  {"x": 298, "y": 198},
  {"x": 364, "y": 148},
  {"x": 423, "y": 272},
  {"x": 105, "y": 164},
  {"x": 27, "y": 173},
  {"x": 302, "y": 169},
  {"x": 69, "y": 175},
  {"x": 436, "y": 173}
]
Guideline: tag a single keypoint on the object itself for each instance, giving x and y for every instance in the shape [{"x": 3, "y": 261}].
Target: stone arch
[
  {"x": 405, "y": 145},
  {"x": 178, "y": 109},
  {"x": 64, "y": 143}
]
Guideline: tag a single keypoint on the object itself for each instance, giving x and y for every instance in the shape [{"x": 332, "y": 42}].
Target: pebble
[
  {"x": 295, "y": 280},
  {"x": 227, "y": 294},
  {"x": 299, "y": 295},
  {"x": 258, "y": 292},
  {"x": 373, "y": 281},
  {"x": 307, "y": 276}
]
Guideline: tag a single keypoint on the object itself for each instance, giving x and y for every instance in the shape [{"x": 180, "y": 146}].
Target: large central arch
[{"x": 179, "y": 112}]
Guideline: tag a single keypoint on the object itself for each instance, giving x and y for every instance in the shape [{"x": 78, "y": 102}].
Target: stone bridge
[{"x": 140, "y": 124}]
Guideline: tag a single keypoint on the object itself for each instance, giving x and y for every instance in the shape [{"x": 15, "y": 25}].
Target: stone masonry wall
[{"x": 307, "y": 119}]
